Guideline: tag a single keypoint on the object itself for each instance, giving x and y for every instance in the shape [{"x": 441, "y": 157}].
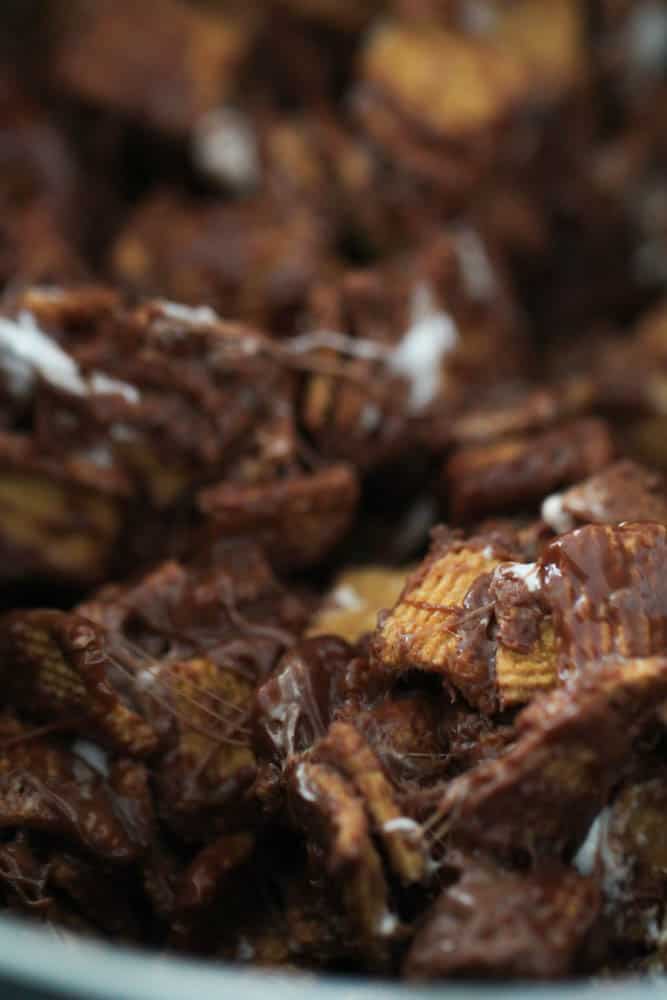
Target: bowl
[{"x": 38, "y": 964}]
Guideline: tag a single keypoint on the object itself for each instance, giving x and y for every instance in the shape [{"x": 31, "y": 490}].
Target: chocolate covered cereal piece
[
  {"x": 442, "y": 623},
  {"x": 206, "y": 710},
  {"x": 345, "y": 749},
  {"x": 295, "y": 705},
  {"x": 500, "y": 629},
  {"x": 164, "y": 64},
  {"x": 543, "y": 793},
  {"x": 444, "y": 128},
  {"x": 46, "y": 787},
  {"x": 325, "y": 805},
  {"x": 67, "y": 891},
  {"x": 624, "y": 491},
  {"x": 398, "y": 350},
  {"x": 503, "y": 924},
  {"x": 520, "y": 409},
  {"x": 253, "y": 260},
  {"x": 230, "y": 610},
  {"x": 625, "y": 849},
  {"x": 205, "y": 876},
  {"x": 59, "y": 670},
  {"x": 60, "y": 519},
  {"x": 603, "y": 586},
  {"x": 40, "y": 195},
  {"x": 192, "y": 644},
  {"x": 297, "y": 519},
  {"x": 515, "y": 472},
  {"x": 138, "y": 408}
]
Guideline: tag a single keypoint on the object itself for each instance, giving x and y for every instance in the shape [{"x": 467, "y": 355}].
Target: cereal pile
[{"x": 333, "y": 510}]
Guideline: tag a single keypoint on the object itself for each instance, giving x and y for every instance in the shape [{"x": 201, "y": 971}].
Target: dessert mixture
[{"x": 333, "y": 510}]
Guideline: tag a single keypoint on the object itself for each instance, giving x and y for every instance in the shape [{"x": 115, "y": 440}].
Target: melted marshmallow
[
  {"x": 476, "y": 267},
  {"x": 418, "y": 357},
  {"x": 146, "y": 679},
  {"x": 103, "y": 385},
  {"x": 355, "y": 347},
  {"x": 554, "y": 514},
  {"x": 305, "y": 791},
  {"x": 528, "y": 573},
  {"x": 388, "y": 924},
  {"x": 346, "y": 597},
  {"x": 402, "y": 824},
  {"x": 595, "y": 851},
  {"x": 586, "y": 857},
  {"x": 225, "y": 146},
  {"x": 26, "y": 352},
  {"x": 190, "y": 315},
  {"x": 93, "y": 755}
]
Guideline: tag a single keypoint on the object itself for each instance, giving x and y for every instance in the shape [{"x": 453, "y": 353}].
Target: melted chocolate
[{"x": 607, "y": 592}]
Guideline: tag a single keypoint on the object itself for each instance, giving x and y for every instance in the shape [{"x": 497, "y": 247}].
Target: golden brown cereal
[{"x": 355, "y": 600}]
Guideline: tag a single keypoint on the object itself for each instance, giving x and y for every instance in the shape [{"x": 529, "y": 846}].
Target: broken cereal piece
[
  {"x": 440, "y": 622},
  {"x": 345, "y": 749},
  {"x": 326, "y": 807}
]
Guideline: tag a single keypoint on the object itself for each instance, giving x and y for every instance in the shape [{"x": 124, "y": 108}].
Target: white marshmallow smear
[
  {"x": 585, "y": 858},
  {"x": 476, "y": 267},
  {"x": 527, "y": 573},
  {"x": 225, "y": 146},
  {"x": 26, "y": 353},
  {"x": 346, "y": 597},
  {"x": 190, "y": 315},
  {"x": 553, "y": 514},
  {"x": 418, "y": 357}
]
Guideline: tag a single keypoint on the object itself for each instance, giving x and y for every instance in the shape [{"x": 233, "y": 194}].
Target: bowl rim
[{"x": 75, "y": 967}]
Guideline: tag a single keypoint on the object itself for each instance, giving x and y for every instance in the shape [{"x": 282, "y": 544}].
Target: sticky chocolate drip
[{"x": 607, "y": 592}]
